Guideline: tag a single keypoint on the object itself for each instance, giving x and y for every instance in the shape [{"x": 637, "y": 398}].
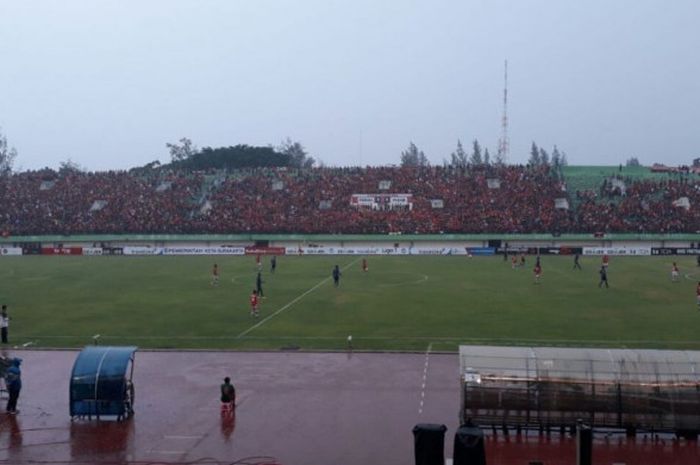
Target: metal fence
[{"x": 610, "y": 388}]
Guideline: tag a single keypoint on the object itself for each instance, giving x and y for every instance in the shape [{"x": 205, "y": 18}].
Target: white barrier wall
[
  {"x": 10, "y": 251},
  {"x": 183, "y": 250}
]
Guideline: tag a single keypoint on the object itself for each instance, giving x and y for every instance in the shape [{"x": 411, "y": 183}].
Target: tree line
[
  {"x": 479, "y": 156},
  {"x": 187, "y": 156}
]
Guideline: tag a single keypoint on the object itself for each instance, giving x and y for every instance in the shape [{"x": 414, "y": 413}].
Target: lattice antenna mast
[{"x": 503, "y": 142}]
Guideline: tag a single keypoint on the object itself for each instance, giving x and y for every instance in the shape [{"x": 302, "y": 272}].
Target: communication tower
[{"x": 503, "y": 141}]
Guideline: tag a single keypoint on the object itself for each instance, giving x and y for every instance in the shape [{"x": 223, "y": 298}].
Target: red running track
[{"x": 293, "y": 409}]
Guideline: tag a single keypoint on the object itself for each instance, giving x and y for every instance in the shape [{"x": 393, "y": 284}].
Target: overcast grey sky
[{"x": 108, "y": 83}]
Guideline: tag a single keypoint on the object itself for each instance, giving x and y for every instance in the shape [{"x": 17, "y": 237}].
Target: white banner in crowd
[
  {"x": 639, "y": 251},
  {"x": 5, "y": 251},
  {"x": 184, "y": 251}
]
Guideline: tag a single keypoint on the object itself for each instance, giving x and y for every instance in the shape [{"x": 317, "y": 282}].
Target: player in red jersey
[
  {"x": 514, "y": 262},
  {"x": 364, "y": 265},
  {"x": 538, "y": 272},
  {"x": 215, "y": 275},
  {"x": 606, "y": 260},
  {"x": 254, "y": 303},
  {"x": 674, "y": 273}
]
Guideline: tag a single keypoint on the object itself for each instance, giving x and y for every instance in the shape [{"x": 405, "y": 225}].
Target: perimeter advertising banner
[
  {"x": 539, "y": 250},
  {"x": 142, "y": 250},
  {"x": 61, "y": 251},
  {"x": 92, "y": 251},
  {"x": 674, "y": 251},
  {"x": 254, "y": 250},
  {"x": 10, "y": 251},
  {"x": 361, "y": 250},
  {"x": 621, "y": 251}
]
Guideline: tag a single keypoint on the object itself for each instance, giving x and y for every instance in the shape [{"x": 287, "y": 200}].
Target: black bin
[
  {"x": 469, "y": 446},
  {"x": 429, "y": 442}
]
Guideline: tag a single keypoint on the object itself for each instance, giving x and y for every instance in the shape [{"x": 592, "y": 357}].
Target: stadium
[
  {"x": 431, "y": 287},
  {"x": 349, "y": 233}
]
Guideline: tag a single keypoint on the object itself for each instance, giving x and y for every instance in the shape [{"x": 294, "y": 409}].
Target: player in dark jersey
[
  {"x": 258, "y": 285},
  {"x": 336, "y": 276},
  {"x": 577, "y": 265},
  {"x": 364, "y": 265},
  {"x": 273, "y": 264},
  {"x": 603, "y": 276}
]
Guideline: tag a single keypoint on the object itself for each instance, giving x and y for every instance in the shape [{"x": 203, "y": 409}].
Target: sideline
[
  {"x": 425, "y": 378},
  {"x": 295, "y": 300}
]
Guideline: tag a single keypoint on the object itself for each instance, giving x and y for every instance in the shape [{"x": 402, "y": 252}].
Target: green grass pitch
[{"x": 402, "y": 303}]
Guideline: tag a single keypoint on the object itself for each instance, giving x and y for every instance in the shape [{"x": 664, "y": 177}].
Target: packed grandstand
[{"x": 372, "y": 200}]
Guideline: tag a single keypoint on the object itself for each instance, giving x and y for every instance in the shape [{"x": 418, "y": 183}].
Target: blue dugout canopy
[{"x": 101, "y": 384}]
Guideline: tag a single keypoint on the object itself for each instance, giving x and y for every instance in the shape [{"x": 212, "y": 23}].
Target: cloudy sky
[{"x": 108, "y": 83}]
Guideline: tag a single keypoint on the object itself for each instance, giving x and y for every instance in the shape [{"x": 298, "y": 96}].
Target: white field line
[
  {"x": 295, "y": 300},
  {"x": 463, "y": 340},
  {"x": 425, "y": 378}
]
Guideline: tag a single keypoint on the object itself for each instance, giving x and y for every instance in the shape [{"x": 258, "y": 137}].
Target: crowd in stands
[
  {"x": 44, "y": 202},
  {"x": 505, "y": 199},
  {"x": 644, "y": 206}
]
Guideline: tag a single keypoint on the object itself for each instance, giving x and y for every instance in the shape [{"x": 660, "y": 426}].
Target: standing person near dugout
[
  {"x": 13, "y": 381},
  {"x": 4, "y": 324},
  {"x": 228, "y": 395}
]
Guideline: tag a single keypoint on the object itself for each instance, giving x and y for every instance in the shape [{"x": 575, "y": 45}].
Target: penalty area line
[{"x": 293, "y": 301}]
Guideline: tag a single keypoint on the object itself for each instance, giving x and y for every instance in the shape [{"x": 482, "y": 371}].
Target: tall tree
[
  {"x": 487, "y": 157},
  {"x": 544, "y": 157},
  {"x": 632, "y": 161},
  {"x": 459, "y": 158},
  {"x": 7, "y": 156},
  {"x": 556, "y": 158},
  {"x": 70, "y": 167},
  {"x": 298, "y": 157},
  {"x": 413, "y": 157},
  {"x": 564, "y": 161},
  {"x": 476, "y": 159},
  {"x": 534, "y": 155},
  {"x": 183, "y": 150}
]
